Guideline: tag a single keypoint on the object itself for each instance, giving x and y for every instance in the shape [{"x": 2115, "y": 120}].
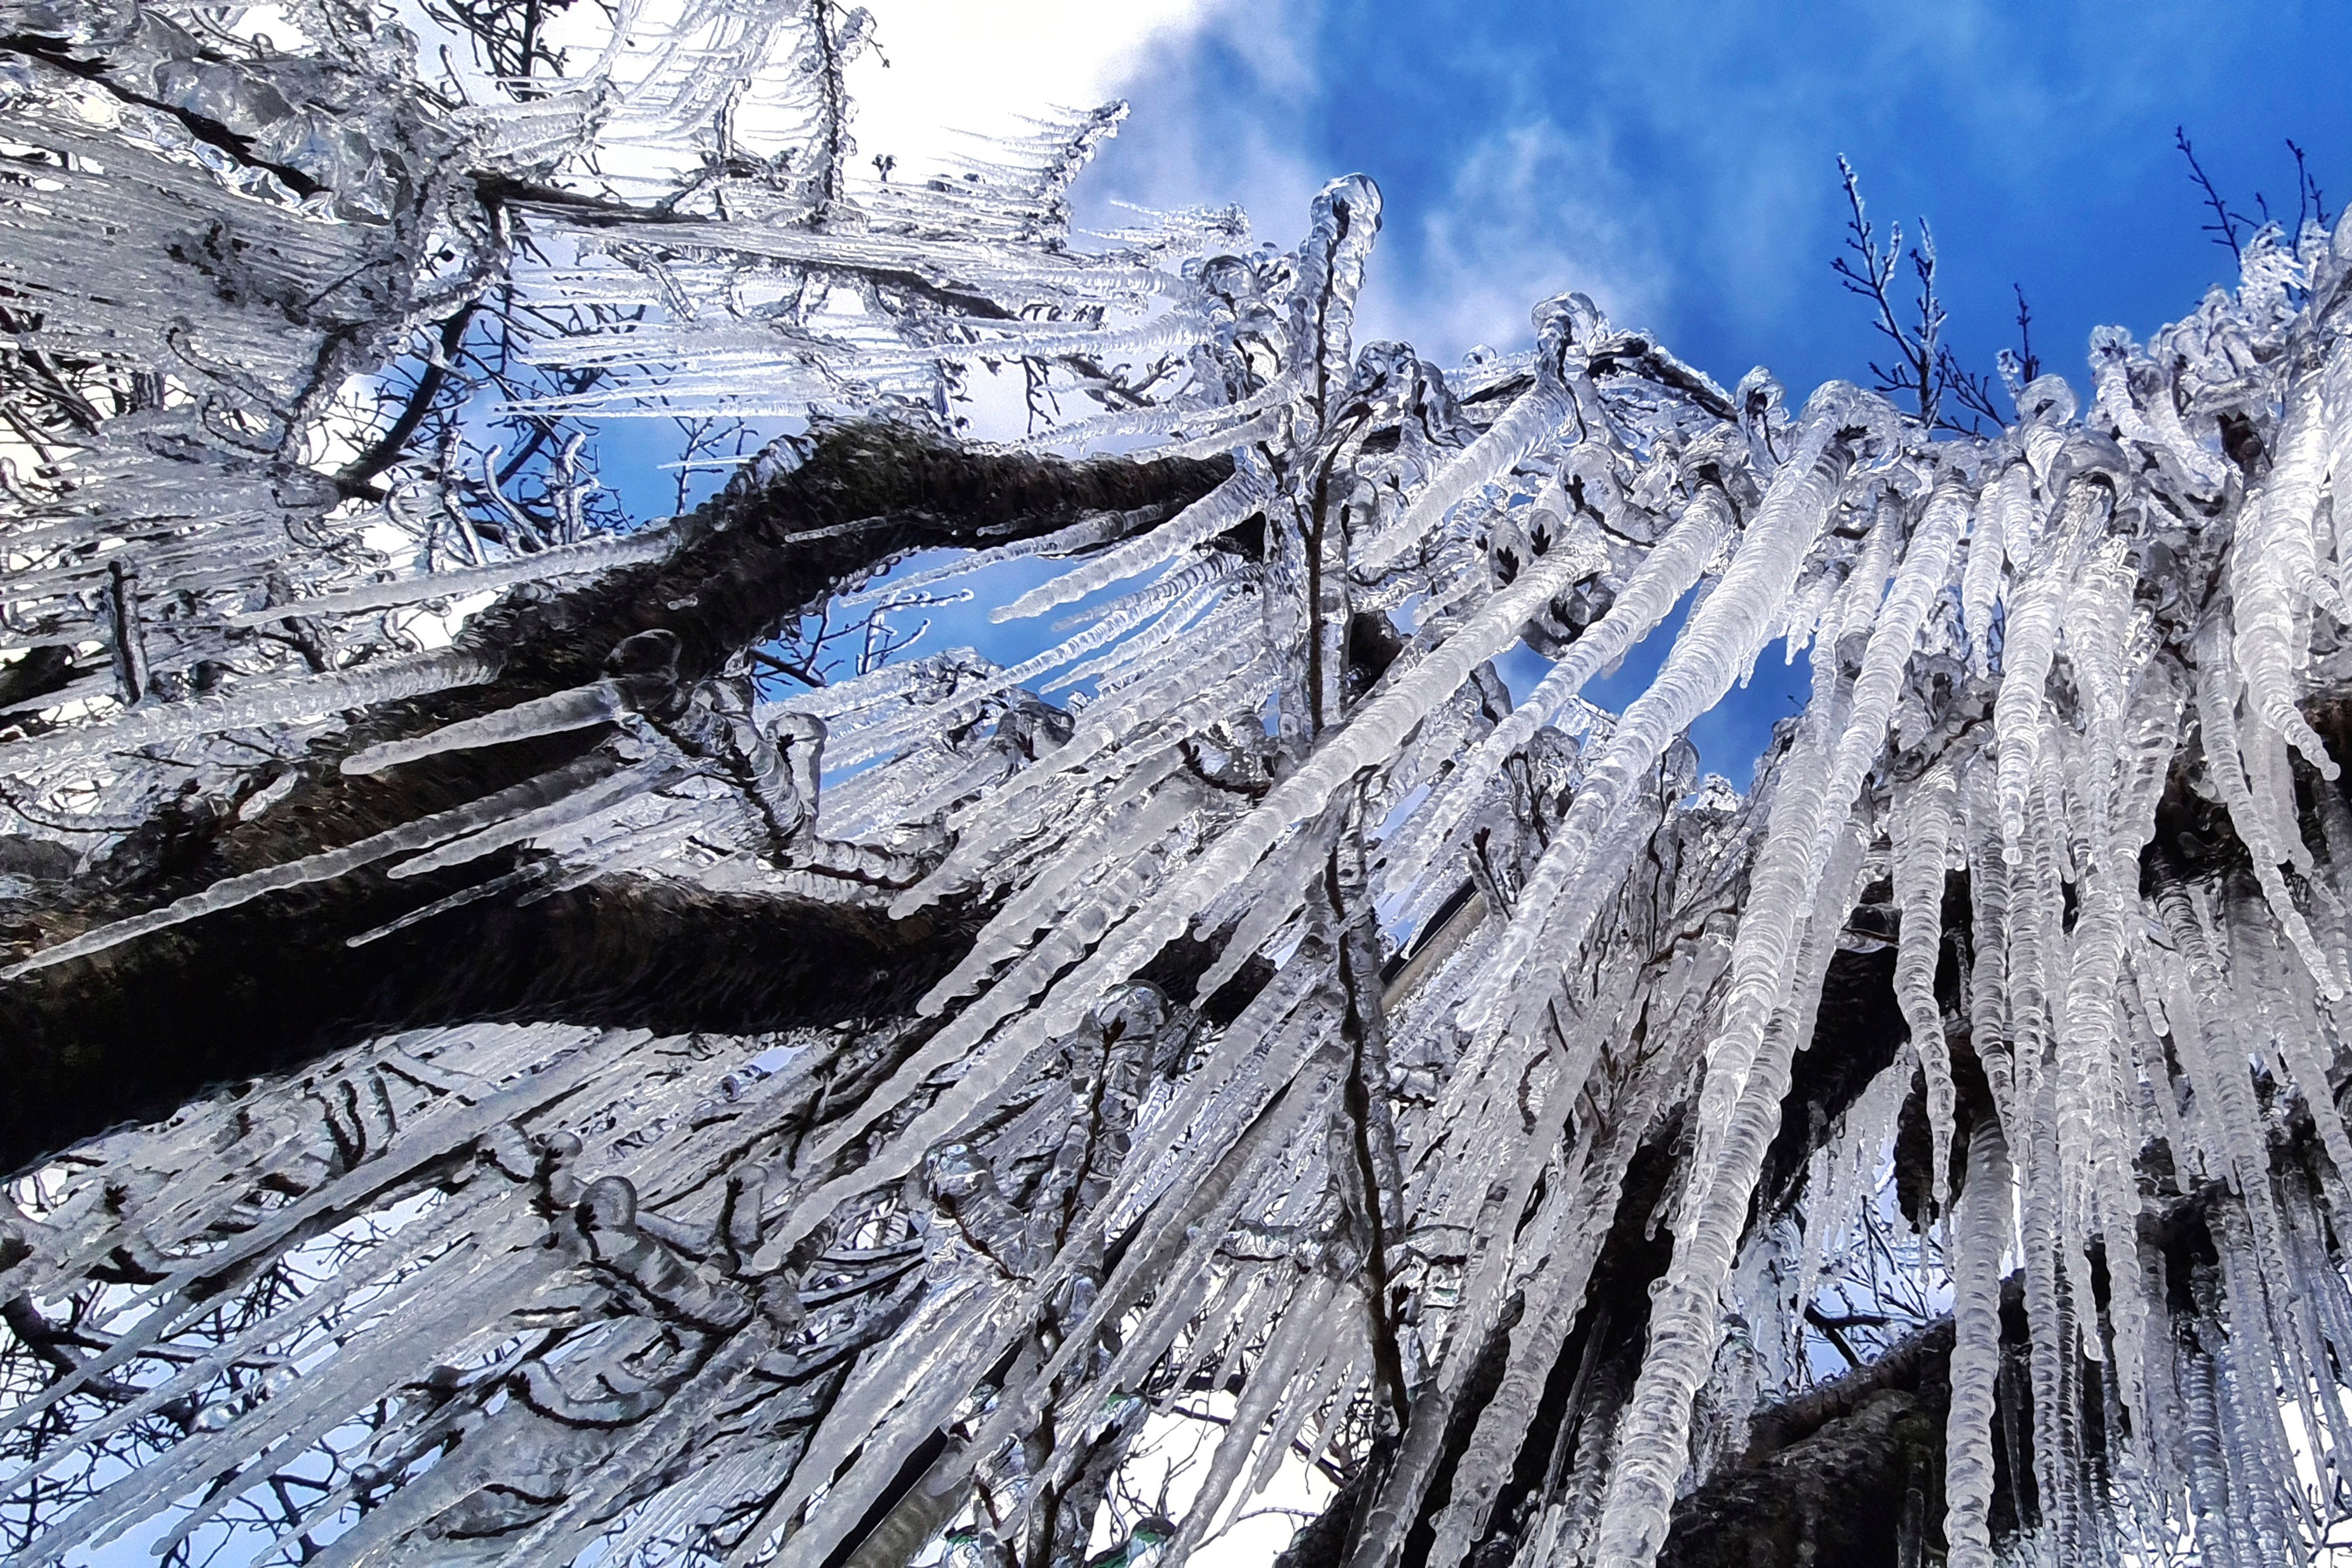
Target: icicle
[
  {"x": 1254, "y": 417},
  {"x": 1983, "y": 1234},
  {"x": 893, "y": 1401},
  {"x": 1652, "y": 1447},
  {"x": 1144, "y": 821},
  {"x": 1230, "y": 504},
  {"x": 2268, "y": 842},
  {"x": 2201, "y": 1443},
  {"x": 1289, "y": 871},
  {"x": 1371, "y": 735},
  {"x": 1139, "y": 655},
  {"x": 1818, "y": 776},
  {"x": 1849, "y": 1166},
  {"x": 1010, "y": 820},
  {"x": 476, "y": 1349},
  {"x": 2320, "y": 1312},
  {"x": 192, "y": 1377},
  {"x": 1980, "y": 576},
  {"x": 2256, "y": 965},
  {"x": 1183, "y": 1230},
  {"x": 539, "y": 794},
  {"x": 1136, "y": 724},
  {"x": 1720, "y": 637},
  {"x": 2147, "y": 1042},
  {"x": 2029, "y": 648},
  {"x": 1048, "y": 340},
  {"x": 2274, "y": 564},
  {"x": 2157, "y": 426},
  {"x": 1116, "y": 620},
  {"x": 2100, "y": 1194},
  {"x": 1856, "y": 607},
  {"x": 849, "y": 702},
  {"x": 1343, "y": 1373},
  {"x": 1302, "y": 1326},
  {"x": 284, "y": 702},
  {"x": 574, "y": 808},
  {"x": 1090, "y": 532},
  {"x": 1665, "y": 574},
  {"x": 1001, "y": 1050},
  {"x": 582, "y": 708},
  {"x": 1988, "y": 898},
  {"x": 1923, "y": 826},
  {"x": 511, "y": 881},
  {"x": 564, "y": 561},
  {"x": 2050, "y": 1321},
  {"x": 2247, "y": 1365},
  {"x": 1893, "y": 629},
  {"x": 1555, "y": 1299},
  {"x": 1522, "y": 1165},
  {"x": 1563, "y": 326},
  {"x": 2217, "y": 1066}
]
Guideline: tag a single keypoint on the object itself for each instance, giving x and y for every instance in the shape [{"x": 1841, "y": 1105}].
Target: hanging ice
[{"x": 1231, "y": 1003}]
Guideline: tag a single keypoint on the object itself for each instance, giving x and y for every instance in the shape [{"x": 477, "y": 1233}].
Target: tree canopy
[{"x": 536, "y": 1032}]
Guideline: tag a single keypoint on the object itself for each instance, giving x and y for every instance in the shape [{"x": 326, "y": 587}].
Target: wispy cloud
[
  {"x": 1674, "y": 160},
  {"x": 1220, "y": 119},
  {"x": 1533, "y": 211}
]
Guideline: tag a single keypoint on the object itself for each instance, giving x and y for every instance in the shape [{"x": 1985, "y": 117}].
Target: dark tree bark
[
  {"x": 136, "y": 1030},
  {"x": 1853, "y": 1474},
  {"x": 132, "y": 1033},
  {"x": 1848, "y": 1474}
]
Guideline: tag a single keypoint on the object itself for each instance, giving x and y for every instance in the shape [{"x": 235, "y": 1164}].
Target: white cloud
[
  {"x": 958, "y": 69},
  {"x": 960, "y": 72},
  {"x": 1221, "y": 93},
  {"x": 1218, "y": 120},
  {"x": 1533, "y": 211}
]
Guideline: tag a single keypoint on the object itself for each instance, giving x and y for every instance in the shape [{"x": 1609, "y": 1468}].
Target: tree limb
[{"x": 134, "y": 1031}]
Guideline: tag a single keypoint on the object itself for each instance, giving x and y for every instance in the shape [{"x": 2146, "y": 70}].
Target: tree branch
[
  {"x": 132, "y": 1031},
  {"x": 2224, "y": 225}
]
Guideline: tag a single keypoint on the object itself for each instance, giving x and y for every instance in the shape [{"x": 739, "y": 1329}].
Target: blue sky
[{"x": 1676, "y": 161}]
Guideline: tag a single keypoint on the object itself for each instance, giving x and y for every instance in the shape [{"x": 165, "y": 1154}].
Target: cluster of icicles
[
  {"x": 519, "y": 1292},
  {"x": 195, "y": 543}
]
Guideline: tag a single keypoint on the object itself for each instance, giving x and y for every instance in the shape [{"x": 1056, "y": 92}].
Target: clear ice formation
[{"x": 524, "y": 1292}]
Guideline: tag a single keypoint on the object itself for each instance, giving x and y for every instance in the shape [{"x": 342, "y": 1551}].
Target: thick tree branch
[{"x": 134, "y": 1031}]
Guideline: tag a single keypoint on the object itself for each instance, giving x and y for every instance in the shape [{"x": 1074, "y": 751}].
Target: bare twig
[
  {"x": 2310, "y": 203},
  {"x": 2226, "y": 220},
  {"x": 1923, "y": 368}
]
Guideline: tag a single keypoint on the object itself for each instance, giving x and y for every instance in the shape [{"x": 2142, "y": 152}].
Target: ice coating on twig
[
  {"x": 947, "y": 1267},
  {"x": 284, "y": 703},
  {"x": 1213, "y": 514}
]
